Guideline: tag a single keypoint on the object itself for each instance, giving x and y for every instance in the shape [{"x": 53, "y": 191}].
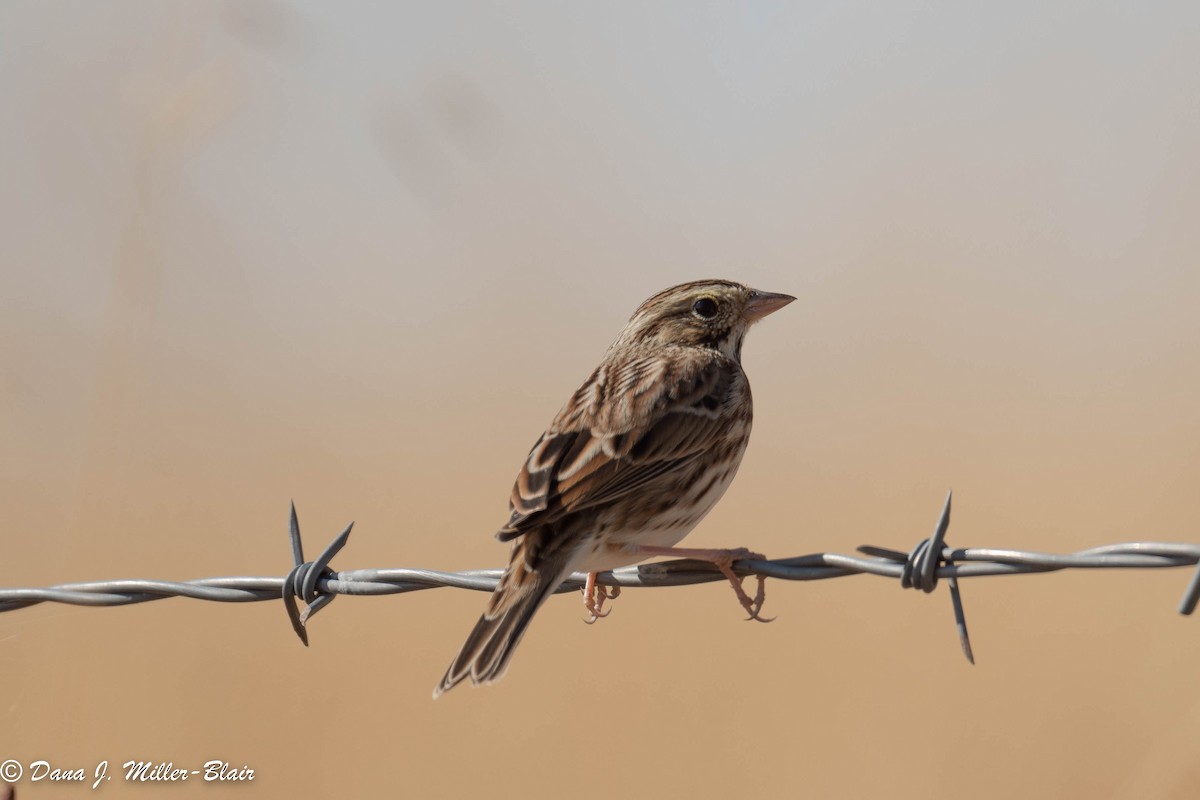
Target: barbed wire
[{"x": 932, "y": 560}]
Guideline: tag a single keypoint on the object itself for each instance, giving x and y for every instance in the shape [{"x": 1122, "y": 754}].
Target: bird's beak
[{"x": 763, "y": 303}]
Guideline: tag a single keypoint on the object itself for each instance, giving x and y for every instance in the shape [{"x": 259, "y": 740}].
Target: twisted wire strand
[{"x": 316, "y": 584}]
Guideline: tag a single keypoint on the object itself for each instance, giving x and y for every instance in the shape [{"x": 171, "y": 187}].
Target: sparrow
[{"x": 639, "y": 454}]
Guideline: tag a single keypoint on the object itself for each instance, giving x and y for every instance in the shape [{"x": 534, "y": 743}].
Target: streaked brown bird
[{"x": 634, "y": 460}]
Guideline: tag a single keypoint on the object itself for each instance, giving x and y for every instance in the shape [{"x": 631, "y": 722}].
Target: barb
[
  {"x": 923, "y": 562},
  {"x": 931, "y": 560},
  {"x": 303, "y": 579}
]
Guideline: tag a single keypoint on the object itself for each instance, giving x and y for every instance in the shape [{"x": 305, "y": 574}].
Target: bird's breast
[{"x": 663, "y": 515}]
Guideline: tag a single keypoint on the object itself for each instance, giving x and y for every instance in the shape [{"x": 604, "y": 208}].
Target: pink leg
[
  {"x": 594, "y": 596},
  {"x": 723, "y": 560}
]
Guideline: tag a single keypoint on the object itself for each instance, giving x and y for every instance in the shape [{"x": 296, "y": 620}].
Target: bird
[{"x": 633, "y": 461}]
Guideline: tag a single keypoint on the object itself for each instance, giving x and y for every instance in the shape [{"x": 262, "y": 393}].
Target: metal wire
[{"x": 315, "y": 583}]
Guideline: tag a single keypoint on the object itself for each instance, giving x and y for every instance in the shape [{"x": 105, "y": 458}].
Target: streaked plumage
[{"x": 636, "y": 458}]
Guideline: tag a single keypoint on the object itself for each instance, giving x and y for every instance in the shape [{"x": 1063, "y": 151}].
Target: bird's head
[{"x": 710, "y": 313}]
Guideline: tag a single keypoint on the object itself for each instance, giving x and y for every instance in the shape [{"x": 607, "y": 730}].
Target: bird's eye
[{"x": 705, "y": 307}]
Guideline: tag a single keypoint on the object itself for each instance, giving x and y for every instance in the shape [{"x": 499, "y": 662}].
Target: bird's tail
[{"x": 532, "y": 575}]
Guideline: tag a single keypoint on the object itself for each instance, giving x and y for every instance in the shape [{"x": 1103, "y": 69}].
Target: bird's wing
[{"x": 636, "y": 419}]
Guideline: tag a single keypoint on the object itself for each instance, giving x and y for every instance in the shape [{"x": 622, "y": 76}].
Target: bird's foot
[
  {"x": 594, "y": 597},
  {"x": 723, "y": 560},
  {"x": 725, "y": 564}
]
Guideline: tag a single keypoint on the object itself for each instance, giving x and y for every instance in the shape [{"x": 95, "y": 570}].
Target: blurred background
[{"x": 359, "y": 254}]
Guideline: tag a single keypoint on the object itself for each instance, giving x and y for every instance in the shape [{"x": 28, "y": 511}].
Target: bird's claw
[
  {"x": 753, "y": 606},
  {"x": 594, "y": 597},
  {"x": 759, "y": 596}
]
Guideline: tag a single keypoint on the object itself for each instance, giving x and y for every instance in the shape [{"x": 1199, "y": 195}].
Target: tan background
[{"x": 358, "y": 256}]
